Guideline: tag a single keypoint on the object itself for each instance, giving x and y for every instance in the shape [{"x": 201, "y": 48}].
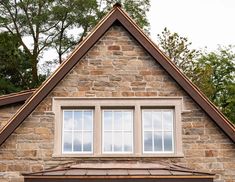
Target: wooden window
[
  {"x": 157, "y": 130},
  {"x": 118, "y": 127},
  {"x": 117, "y": 135},
  {"x": 77, "y": 131}
]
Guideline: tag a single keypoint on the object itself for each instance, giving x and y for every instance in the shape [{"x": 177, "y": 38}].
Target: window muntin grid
[
  {"x": 77, "y": 134},
  {"x": 157, "y": 130},
  {"x": 117, "y": 131}
]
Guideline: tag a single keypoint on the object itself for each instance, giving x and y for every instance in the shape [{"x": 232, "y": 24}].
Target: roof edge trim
[{"x": 15, "y": 97}]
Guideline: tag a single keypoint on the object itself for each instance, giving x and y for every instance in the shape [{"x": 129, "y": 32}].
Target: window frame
[
  {"x": 132, "y": 132},
  {"x": 92, "y": 131},
  {"x": 135, "y": 103},
  {"x": 162, "y": 130}
]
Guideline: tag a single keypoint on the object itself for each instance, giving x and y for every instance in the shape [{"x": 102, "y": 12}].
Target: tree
[
  {"x": 214, "y": 74},
  {"x": 15, "y": 67},
  {"x": 83, "y": 15},
  {"x": 177, "y": 48},
  {"x": 47, "y": 23}
]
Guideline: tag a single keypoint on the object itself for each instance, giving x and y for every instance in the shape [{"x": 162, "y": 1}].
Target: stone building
[{"x": 116, "y": 110}]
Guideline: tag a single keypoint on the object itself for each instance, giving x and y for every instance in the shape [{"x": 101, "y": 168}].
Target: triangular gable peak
[{"x": 116, "y": 15}]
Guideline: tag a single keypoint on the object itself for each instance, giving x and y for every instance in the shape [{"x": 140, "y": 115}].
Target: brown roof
[
  {"x": 124, "y": 170},
  {"x": 117, "y": 15},
  {"x": 15, "y": 97}
]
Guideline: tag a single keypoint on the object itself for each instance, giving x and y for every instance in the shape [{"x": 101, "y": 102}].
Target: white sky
[{"x": 203, "y": 22}]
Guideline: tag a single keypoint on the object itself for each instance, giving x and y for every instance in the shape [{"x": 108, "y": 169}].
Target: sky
[{"x": 206, "y": 23}]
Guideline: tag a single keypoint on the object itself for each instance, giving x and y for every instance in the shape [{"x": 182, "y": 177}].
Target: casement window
[
  {"x": 117, "y": 136},
  {"x": 77, "y": 131},
  {"x": 118, "y": 127},
  {"x": 157, "y": 127}
]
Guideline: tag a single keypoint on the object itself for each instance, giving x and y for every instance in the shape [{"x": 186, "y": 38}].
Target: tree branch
[
  {"x": 16, "y": 27},
  {"x": 28, "y": 21}
]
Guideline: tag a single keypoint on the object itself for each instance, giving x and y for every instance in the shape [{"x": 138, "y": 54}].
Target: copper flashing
[
  {"x": 117, "y": 15},
  {"x": 15, "y": 97},
  {"x": 121, "y": 171},
  {"x": 129, "y": 179}
]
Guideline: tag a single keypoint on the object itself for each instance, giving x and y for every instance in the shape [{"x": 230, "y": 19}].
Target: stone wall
[
  {"x": 6, "y": 112},
  {"x": 117, "y": 66}
]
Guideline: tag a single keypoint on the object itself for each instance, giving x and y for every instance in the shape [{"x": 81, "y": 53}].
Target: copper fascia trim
[
  {"x": 119, "y": 177},
  {"x": 15, "y": 97}
]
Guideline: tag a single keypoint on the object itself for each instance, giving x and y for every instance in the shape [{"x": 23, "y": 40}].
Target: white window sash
[
  {"x": 82, "y": 132},
  {"x": 123, "y": 131},
  {"x": 152, "y": 130}
]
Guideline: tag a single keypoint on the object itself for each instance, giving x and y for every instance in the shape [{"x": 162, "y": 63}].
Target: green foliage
[
  {"x": 136, "y": 9},
  {"x": 214, "y": 74},
  {"x": 82, "y": 15},
  {"x": 49, "y": 24},
  {"x": 177, "y": 48},
  {"x": 15, "y": 68},
  {"x": 79, "y": 15}
]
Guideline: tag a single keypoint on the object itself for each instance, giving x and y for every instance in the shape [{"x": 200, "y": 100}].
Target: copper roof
[
  {"x": 117, "y": 15},
  {"x": 137, "y": 169},
  {"x": 12, "y": 98}
]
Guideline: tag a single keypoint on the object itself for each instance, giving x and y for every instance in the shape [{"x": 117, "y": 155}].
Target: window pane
[
  {"x": 128, "y": 138},
  {"x": 168, "y": 141},
  {"x": 87, "y": 120},
  {"x": 107, "y": 141},
  {"x": 107, "y": 120},
  {"x": 148, "y": 144},
  {"x": 167, "y": 120},
  {"x": 68, "y": 120},
  {"x": 147, "y": 117},
  {"x": 117, "y": 125},
  {"x": 117, "y": 141},
  {"x": 157, "y": 120},
  {"x": 87, "y": 141},
  {"x": 127, "y": 121},
  {"x": 157, "y": 141},
  {"x": 158, "y": 136},
  {"x": 77, "y": 142},
  {"x": 77, "y": 133},
  {"x": 78, "y": 120},
  {"x": 67, "y": 141},
  {"x": 114, "y": 137}
]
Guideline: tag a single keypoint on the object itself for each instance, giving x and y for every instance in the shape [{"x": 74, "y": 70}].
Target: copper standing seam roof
[
  {"x": 117, "y": 15},
  {"x": 120, "y": 170},
  {"x": 15, "y": 97}
]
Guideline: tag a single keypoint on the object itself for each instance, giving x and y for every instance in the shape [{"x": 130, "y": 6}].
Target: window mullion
[
  {"x": 172, "y": 132},
  {"x": 153, "y": 148},
  {"x": 63, "y": 133},
  {"x": 82, "y": 131},
  {"x": 73, "y": 133},
  {"x": 112, "y": 131},
  {"x": 92, "y": 132},
  {"x": 163, "y": 146},
  {"x": 122, "y": 130}
]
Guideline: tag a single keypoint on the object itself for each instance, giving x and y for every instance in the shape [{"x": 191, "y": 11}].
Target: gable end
[{"x": 117, "y": 14}]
